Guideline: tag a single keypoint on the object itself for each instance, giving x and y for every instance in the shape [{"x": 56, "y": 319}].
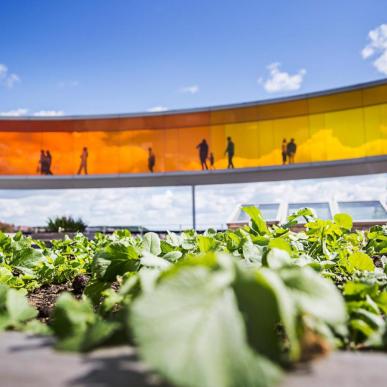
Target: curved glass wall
[{"x": 329, "y": 126}]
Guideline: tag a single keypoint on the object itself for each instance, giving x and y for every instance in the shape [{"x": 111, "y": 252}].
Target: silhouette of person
[
  {"x": 151, "y": 160},
  {"x": 42, "y": 163},
  {"x": 48, "y": 163},
  {"x": 284, "y": 151},
  {"x": 203, "y": 153},
  {"x": 212, "y": 160},
  {"x": 230, "y": 150},
  {"x": 83, "y": 165},
  {"x": 291, "y": 150}
]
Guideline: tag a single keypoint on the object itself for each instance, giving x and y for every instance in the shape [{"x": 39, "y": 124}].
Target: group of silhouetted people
[
  {"x": 204, "y": 156},
  {"x": 45, "y": 162},
  {"x": 288, "y": 150}
]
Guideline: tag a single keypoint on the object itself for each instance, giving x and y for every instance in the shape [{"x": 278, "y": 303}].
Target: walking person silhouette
[
  {"x": 203, "y": 153},
  {"x": 42, "y": 165},
  {"x": 212, "y": 161},
  {"x": 291, "y": 150},
  {"x": 49, "y": 163},
  {"x": 284, "y": 151},
  {"x": 83, "y": 165},
  {"x": 230, "y": 150},
  {"x": 151, "y": 160}
]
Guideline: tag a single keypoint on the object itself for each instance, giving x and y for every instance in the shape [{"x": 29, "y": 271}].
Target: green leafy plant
[{"x": 237, "y": 306}]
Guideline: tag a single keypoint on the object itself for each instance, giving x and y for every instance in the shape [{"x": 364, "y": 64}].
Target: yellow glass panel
[
  {"x": 245, "y": 139},
  {"x": 383, "y": 128},
  {"x": 345, "y": 134},
  {"x": 373, "y": 135},
  {"x": 283, "y": 109},
  {"x": 133, "y": 149},
  {"x": 375, "y": 95},
  {"x": 334, "y": 102},
  {"x": 268, "y": 154},
  {"x": 318, "y": 137},
  {"x": 296, "y": 128}
]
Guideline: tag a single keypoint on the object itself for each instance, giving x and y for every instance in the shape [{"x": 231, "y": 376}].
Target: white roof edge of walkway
[
  {"x": 347, "y": 167},
  {"x": 211, "y": 108}
]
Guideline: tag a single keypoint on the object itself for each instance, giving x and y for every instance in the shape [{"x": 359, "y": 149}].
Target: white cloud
[
  {"x": 156, "y": 109},
  {"x": 7, "y": 79},
  {"x": 23, "y": 112},
  {"x": 377, "y": 46},
  {"x": 14, "y": 113},
  {"x": 48, "y": 113},
  {"x": 192, "y": 89},
  {"x": 281, "y": 80},
  {"x": 170, "y": 207}
]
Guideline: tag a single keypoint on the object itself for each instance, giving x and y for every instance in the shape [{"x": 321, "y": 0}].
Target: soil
[{"x": 44, "y": 298}]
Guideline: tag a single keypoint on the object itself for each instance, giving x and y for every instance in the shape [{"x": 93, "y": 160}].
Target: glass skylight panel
[
  {"x": 364, "y": 210},
  {"x": 321, "y": 210},
  {"x": 269, "y": 212}
]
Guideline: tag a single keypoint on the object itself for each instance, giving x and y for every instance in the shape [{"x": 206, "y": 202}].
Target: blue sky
[
  {"x": 94, "y": 56},
  {"x": 66, "y": 57}
]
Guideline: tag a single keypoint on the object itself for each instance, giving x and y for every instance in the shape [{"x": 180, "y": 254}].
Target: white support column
[{"x": 193, "y": 207}]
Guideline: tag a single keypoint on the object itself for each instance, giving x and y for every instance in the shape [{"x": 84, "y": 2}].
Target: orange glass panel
[
  {"x": 189, "y": 138},
  {"x": 218, "y": 141}
]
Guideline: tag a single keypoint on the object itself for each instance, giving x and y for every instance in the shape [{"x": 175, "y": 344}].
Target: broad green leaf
[
  {"x": 361, "y": 261},
  {"x": 5, "y": 275},
  {"x": 71, "y": 316},
  {"x": 152, "y": 243},
  {"x": 173, "y": 256},
  {"x": 206, "y": 244},
  {"x": 280, "y": 243},
  {"x": 19, "y": 309},
  {"x": 265, "y": 303},
  {"x": 150, "y": 260},
  {"x": 343, "y": 220},
  {"x": 255, "y": 215},
  {"x": 116, "y": 259},
  {"x": 190, "y": 330},
  {"x": 78, "y": 327},
  {"x": 277, "y": 258},
  {"x": 315, "y": 295},
  {"x": 252, "y": 252}
]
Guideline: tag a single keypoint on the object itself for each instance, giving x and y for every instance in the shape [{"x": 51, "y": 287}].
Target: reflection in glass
[
  {"x": 269, "y": 212},
  {"x": 364, "y": 210}
]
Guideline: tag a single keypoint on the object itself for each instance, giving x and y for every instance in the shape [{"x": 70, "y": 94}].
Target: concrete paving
[{"x": 31, "y": 361}]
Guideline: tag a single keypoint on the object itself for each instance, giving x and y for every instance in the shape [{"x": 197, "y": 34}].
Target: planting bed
[{"x": 251, "y": 307}]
